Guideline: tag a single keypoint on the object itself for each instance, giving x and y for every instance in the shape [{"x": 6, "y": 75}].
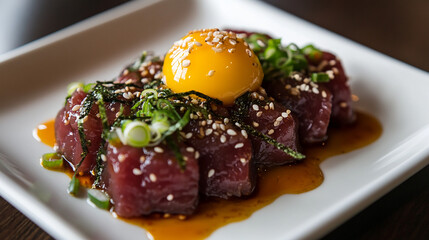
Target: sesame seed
[
  {"x": 244, "y": 133},
  {"x": 255, "y": 124},
  {"x": 231, "y": 132},
  {"x": 343, "y": 104},
  {"x": 142, "y": 159},
  {"x": 121, "y": 157},
  {"x": 76, "y": 107},
  {"x": 285, "y": 115},
  {"x": 186, "y": 63},
  {"x": 188, "y": 135},
  {"x": 209, "y": 121},
  {"x": 276, "y": 123},
  {"x": 271, "y": 105},
  {"x": 231, "y": 50},
  {"x": 198, "y": 44},
  {"x": 85, "y": 118},
  {"x": 271, "y": 131},
  {"x": 315, "y": 90},
  {"x": 211, "y": 73},
  {"x": 243, "y": 160},
  {"x": 237, "y": 124},
  {"x": 137, "y": 171},
  {"x": 239, "y": 145},
  {"x": 324, "y": 95},
  {"x": 279, "y": 119},
  {"x": 182, "y": 217},
  {"x": 260, "y": 43},
  {"x": 241, "y": 35},
  {"x": 190, "y": 149},
  {"x": 158, "y": 150},
  {"x": 258, "y": 114},
  {"x": 211, "y": 173},
  {"x": 226, "y": 120},
  {"x": 152, "y": 177},
  {"x": 209, "y": 131},
  {"x": 330, "y": 74},
  {"x": 255, "y": 107},
  {"x": 103, "y": 157},
  {"x": 170, "y": 197},
  {"x": 222, "y": 139},
  {"x": 222, "y": 126},
  {"x": 332, "y": 62},
  {"x": 197, "y": 155},
  {"x": 249, "y": 52},
  {"x": 214, "y": 126},
  {"x": 218, "y": 50},
  {"x": 232, "y": 41},
  {"x": 335, "y": 70},
  {"x": 167, "y": 215}
]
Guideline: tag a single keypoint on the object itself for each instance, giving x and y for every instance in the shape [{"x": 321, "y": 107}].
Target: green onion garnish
[
  {"x": 99, "y": 198},
  {"x": 52, "y": 161},
  {"x": 136, "y": 133},
  {"x": 74, "y": 184},
  {"x": 320, "y": 77},
  {"x": 312, "y": 52},
  {"x": 73, "y": 86}
]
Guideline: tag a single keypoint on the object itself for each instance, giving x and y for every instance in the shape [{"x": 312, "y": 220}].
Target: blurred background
[{"x": 394, "y": 27}]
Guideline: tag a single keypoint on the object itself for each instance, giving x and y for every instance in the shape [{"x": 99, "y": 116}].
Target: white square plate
[{"x": 34, "y": 78}]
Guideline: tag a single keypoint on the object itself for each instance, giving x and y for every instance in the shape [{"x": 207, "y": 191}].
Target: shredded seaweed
[{"x": 243, "y": 103}]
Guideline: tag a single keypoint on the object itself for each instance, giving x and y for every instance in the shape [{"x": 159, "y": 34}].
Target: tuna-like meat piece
[
  {"x": 277, "y": 122},
  {"x": 145, "y": 180},
  {"x": 342, "y": 112},
  {"x": 67, "y": 133},
  {"x": 309, "y": 101},
  {"x": 226, "y": 165}
]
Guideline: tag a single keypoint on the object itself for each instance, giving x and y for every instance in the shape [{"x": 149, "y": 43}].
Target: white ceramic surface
[{"x": 34, "y": 78}]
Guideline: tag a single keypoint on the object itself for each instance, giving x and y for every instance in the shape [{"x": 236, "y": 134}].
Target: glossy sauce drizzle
[{"x": 215, "y": 213}]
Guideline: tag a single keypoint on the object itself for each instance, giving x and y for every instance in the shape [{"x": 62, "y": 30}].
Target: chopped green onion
[
  {"x": 99, "y": 198},
  {"x": 88, "y": 87},
  {"x": 52, "y": 161},
  {"x": 312, "y": 52},
  {"x": 149, "y": 93},
  {"x": 74, "y": 184},
  {"x": 320, "y": 77},
  {"x": 136, "y": 133},
  {"x": 73, "y": 86}
]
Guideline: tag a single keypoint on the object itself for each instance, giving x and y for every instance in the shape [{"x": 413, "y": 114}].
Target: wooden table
[{"x": 396, "y": 28}]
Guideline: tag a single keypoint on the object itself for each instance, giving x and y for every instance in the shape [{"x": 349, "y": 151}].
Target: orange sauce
[
  {"x": 305, "y": 176},
  {"x": 45, "y": 133}
]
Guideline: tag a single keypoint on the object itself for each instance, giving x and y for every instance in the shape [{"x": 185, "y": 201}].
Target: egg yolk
[{"x": 216, "y": 63}]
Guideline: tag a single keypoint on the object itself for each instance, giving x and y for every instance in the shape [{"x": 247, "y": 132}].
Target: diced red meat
[
  {"x": 146, "y": 180},
  {"x": 309, "y": 101},
  {"x": 226, "y": 165},
  {"x": 67, "y": 133},
  {"x": 342, "y": 112},
  {"x": 277, "y": 122}
]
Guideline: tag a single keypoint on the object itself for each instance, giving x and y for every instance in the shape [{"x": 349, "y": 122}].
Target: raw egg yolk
[{"x": 216, "y": 63}]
